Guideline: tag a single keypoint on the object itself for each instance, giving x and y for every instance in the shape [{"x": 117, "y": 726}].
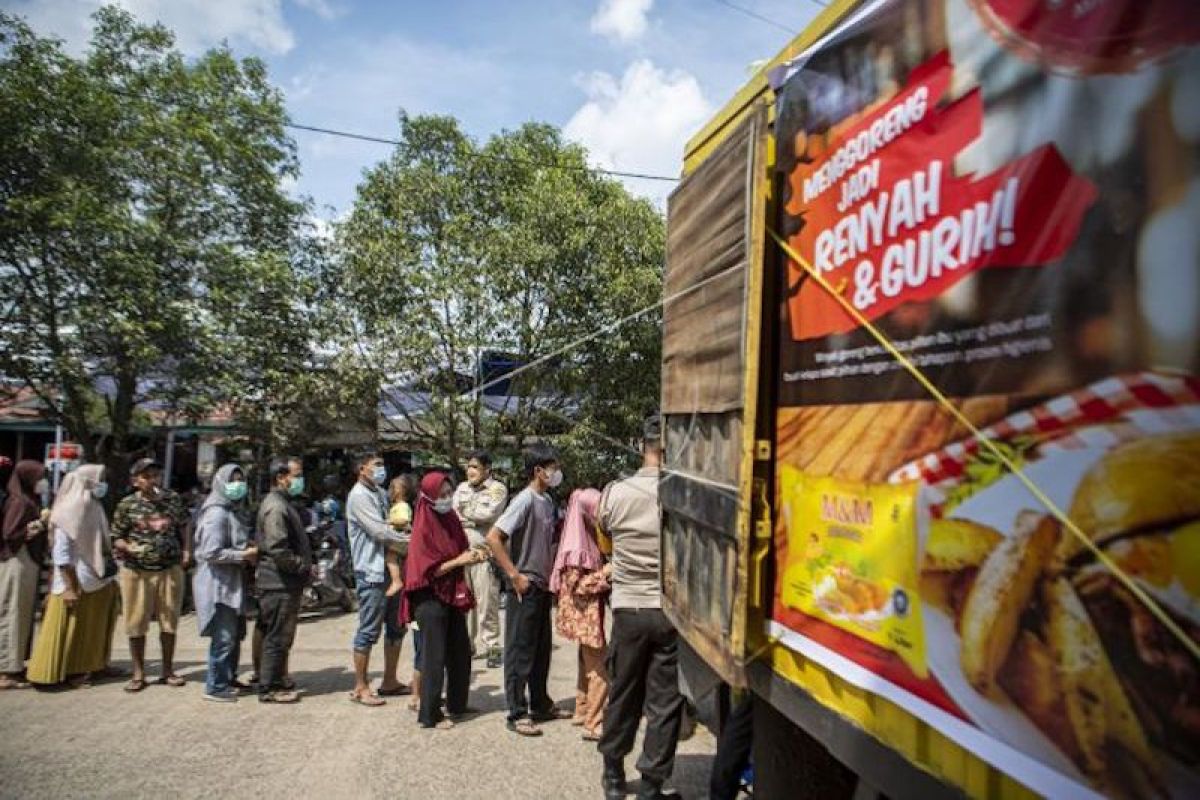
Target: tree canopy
[
  {"x": 455, "y": 248},
  {"x": 148, "y": 251}
]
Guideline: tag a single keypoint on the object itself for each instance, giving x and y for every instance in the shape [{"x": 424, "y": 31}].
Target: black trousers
[
  {"x": 643, "y": 665},
  {"x": 733, "y": 752},
  {"x": 278, "y": 614},
  {"x": 527, "y": 642},
  {"x": 445, "y": 658}
]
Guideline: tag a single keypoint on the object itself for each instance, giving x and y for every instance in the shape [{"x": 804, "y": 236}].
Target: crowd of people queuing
[{"x": 428, "y": 557}]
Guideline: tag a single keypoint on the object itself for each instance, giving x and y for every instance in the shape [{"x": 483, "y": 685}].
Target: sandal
[
  {"x": 83, "y": 681},
  {"x": 369, "y": 700},
  {"x": 591, "y": 736},
  {"x": 399, "y": 691},
  {"x": 524, "y": 727},
  {"x": 135, "y": 685},
  {"x": 551, "y": 714},
  {"x": 171, "y": 680}
]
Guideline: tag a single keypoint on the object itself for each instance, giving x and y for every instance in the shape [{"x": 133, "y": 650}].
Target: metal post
[
  {"x": 57, "y": 472},
  {"x": 169, "y": 466}
]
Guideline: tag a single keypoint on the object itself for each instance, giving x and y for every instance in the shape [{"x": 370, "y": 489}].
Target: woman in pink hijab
[{"x": 580, "y": 579}]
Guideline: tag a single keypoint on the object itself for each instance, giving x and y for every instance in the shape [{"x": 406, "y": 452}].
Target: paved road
[{"x": 165, "y": 742}]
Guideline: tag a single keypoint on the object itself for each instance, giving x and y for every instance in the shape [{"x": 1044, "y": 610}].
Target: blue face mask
[
  {"x": 99, "y": 490},
  {"x": 379, "y": 475},
  {"x": 296, "y": 487},
  {"x": 235, "y": 491}
]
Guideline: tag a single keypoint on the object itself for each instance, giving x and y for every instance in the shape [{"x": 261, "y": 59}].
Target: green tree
[
  {"x": 455, "y": 248},
  {"x": 148, "y": 252}
]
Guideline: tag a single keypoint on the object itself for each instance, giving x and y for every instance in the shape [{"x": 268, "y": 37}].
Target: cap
[
  {"x": 142, "y": 465},
  {"x": 652, "y": 428}
]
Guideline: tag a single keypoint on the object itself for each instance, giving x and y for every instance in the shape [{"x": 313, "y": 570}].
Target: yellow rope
[{"x": 1000, "y": 455}]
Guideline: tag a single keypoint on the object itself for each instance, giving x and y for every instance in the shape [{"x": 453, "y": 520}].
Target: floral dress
[{"x": 581, "y": 606}]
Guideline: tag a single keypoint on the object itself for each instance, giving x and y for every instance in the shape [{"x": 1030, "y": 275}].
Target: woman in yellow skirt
[{"x": 81, "y": 613}]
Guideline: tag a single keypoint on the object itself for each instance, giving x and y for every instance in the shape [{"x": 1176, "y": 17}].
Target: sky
[{"x": 631, "y": 80}]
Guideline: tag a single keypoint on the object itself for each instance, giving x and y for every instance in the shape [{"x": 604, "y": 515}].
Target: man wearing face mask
[
  {"x": 148, "y": 531},
  {"x": 284, "y": 569},
  {"x": 370, "y": 533},
  {"x": 527, "y": 528},
  {"x": 478, "y": 501}
]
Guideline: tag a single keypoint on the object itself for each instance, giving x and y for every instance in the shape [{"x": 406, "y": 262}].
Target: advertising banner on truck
[{"x": 1005, "y": 193}]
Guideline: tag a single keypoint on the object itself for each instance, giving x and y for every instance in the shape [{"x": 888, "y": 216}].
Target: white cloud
[
  {"x": 322, "y": 8},
  {"x": 621, "y": 19},
  {"x": 639, "y": 122},
  {"x": 198, "y": 24}
]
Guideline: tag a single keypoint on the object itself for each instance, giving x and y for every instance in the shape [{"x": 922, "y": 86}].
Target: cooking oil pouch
[{"x": 852, "y": 559}]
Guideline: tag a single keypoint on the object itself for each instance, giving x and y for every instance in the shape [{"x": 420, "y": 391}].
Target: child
[{"x": 400, "y": 518}]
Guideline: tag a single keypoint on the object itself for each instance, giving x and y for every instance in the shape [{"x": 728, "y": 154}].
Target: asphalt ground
[{"x": 166, "y": 742}]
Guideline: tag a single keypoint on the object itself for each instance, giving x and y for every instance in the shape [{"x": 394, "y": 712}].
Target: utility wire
[
  {"x": 365, "y": 137},
  {"x": 598, "y": 332},
  {"x": 751, "y": 13}
]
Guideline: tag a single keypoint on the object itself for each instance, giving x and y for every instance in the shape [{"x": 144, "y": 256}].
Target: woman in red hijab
[{"x": 437, "y": 597}]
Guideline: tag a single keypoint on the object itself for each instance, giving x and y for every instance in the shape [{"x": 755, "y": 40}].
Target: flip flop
[
  {"x": 399, "y": 691},
  {"x": 171, "y": 680},
  {"x": 369, "y": 700},
  {"x": 524, "y": 727},
  {"x": 135, "y": 686}
]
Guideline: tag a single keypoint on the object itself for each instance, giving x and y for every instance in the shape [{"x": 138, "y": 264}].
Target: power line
[
  {"x": 751, "y": 13},
  {"x": 363, "y": 137}
]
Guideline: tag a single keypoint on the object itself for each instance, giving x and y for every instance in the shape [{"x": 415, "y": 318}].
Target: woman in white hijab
[
  {"x": 223, "y": 552},
  {"x": 81, "y": 612}
]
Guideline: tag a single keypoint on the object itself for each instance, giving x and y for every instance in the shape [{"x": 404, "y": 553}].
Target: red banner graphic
[{"x": 887, "y": 221}]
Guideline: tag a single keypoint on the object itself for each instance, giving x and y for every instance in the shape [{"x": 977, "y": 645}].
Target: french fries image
[
  {"x": 1030, "y": 678},
  {"x": 953, "y": 552},
  {"x": 1101, "y": 717},
  {"x": 956, "y": 544},
  {"x": 1006, "y": 582}
]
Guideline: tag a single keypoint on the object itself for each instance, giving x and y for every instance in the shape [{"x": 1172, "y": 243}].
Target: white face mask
[
  {"x": 443, "y": 505},
  {"x": 99, "y": 490},
  {"x": 554, "y": 479},
  {"x": 41, "y": 487}
]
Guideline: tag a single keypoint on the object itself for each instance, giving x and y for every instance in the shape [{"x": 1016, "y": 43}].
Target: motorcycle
[{"x": 329, "y": 586}]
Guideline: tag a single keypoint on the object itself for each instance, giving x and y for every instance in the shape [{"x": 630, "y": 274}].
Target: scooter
[{"x": 329, "y": 586}]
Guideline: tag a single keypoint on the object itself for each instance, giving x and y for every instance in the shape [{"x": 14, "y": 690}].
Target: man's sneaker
[
  {"x": 613, "y": 779},
  {"x": 227, "y": 696},
  {"x": 495, "y": 658}
]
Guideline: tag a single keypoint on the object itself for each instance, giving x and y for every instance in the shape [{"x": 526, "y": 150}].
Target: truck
[{"x": 931, "y": 408}]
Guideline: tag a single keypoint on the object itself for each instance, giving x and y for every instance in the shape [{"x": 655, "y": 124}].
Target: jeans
[
  {"x": 224, "y": 649},
  {"x": 643, "y": 664},
  {"x": 527, "y": 643},
  {"x": 376, "y": 613}
]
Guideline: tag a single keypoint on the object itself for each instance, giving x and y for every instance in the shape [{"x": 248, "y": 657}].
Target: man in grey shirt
[
  {"x": 644, "y": 650},
  {"x": 370, "y": 533},
  {"x": 527, "y": 527}
]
